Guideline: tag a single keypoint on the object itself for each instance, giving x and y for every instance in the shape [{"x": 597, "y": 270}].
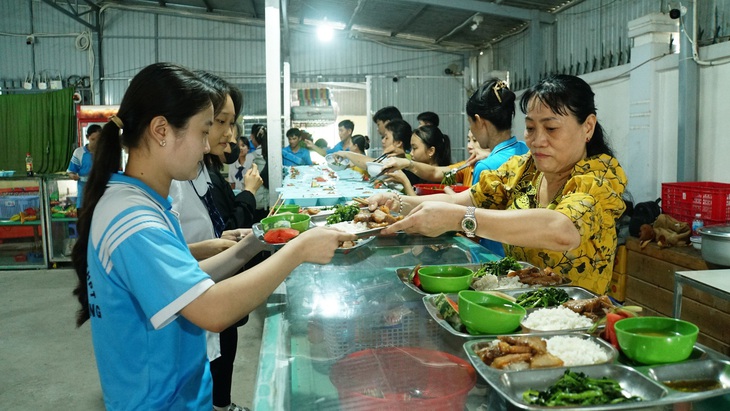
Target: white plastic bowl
[
  {"x": 696, "y": 242},
  {"x": 337, "y": 164},
  {"x": 374, "y": 168}
]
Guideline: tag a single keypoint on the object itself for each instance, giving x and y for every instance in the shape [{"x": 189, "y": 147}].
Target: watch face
[{"x": 469, "y": 225}]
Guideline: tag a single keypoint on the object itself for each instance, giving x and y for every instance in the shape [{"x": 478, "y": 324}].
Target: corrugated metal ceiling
[{"x": 434, "y": 24}]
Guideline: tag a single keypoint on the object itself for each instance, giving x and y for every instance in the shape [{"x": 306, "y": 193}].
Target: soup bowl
[
  {"x": 299, "y": 222},
  {"x": 484, "y": 313},
  {"x": 656, "y": 340},
  {"x": 445, "y": 278}
]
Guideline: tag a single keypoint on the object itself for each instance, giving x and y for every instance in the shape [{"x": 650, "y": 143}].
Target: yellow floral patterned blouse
[{"x": 591, "y": 198}]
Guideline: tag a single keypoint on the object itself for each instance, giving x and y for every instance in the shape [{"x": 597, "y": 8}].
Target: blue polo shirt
[
  {"x": 300, "y": 158},
  {"x": 81, "y": 162},
  {"x": 499, "y": 155},
  {"x": 141, "y": 274},
  {"x": 336, "y": 148}
]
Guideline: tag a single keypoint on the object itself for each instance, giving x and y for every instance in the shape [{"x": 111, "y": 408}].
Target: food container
[
  {"x": 445, "y": 278},
  {"x": 484, "y": 313},
  {"x": 427, "y": 189},
  {"x": 299, "y": 222},
  {"x": 374, "y": 168},
  {"x": 716, "y": 244},
  {"x": 656, "y": 340},
  {"x": 402, "y": 378}
]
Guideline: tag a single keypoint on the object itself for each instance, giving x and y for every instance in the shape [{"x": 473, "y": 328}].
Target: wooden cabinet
[{"x": 650, "y": 284}]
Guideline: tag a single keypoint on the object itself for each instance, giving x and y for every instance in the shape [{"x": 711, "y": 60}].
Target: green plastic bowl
[
  {"x": 656, "y": 340},
  {"x": 484, "y": 313},
  {"x": 287, "y": 208},
  {"x": 299, "y": 222},
  {"x": 445, "y": 278}
]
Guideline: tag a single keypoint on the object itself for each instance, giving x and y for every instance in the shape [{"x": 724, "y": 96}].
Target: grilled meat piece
[
  {"x": 536, "y": 276},
  {"x": 593, "y": 308},
  {"x": 362, "y": 217}
]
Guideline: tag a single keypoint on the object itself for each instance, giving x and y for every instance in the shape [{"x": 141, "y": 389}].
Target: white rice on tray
[
  {"x": 492, "y": 282},
  {"x": 350, "y": 227},
  {"x": 556, "y": 318},
  {"x": 576, "y": 351}
]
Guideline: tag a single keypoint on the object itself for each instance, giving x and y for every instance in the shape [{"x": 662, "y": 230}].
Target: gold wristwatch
[{"x": 469, "y": 222}]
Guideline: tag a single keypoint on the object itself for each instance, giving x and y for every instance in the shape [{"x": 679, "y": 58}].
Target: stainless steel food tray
[
  {"x": 404, "y": 272},
  {"x": 471, "y": 346},
  {"x": 428, "y": 302},
  {"x": 642, "y": 381}
]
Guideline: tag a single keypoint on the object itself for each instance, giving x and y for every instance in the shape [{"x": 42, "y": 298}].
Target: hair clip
[
  {"x": 118, "y": 121},
  {"x": 499, "y": 86}
]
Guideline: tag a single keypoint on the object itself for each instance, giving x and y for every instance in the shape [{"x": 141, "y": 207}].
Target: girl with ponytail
[{"x": 148, "y": 300}]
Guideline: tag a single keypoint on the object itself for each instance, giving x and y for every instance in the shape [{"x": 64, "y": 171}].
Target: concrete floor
[{"x": 46, "y": 363}]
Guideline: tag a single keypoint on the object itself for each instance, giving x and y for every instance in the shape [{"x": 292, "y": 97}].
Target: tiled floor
[{"x": 46, "y": 363}]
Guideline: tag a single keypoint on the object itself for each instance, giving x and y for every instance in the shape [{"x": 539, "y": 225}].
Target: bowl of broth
[
  {"x": 656, "y": 340},
  {"x": 484, "y": 313}
]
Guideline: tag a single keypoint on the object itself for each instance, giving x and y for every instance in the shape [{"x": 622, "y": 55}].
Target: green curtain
[{"x": 41, "y": 124}]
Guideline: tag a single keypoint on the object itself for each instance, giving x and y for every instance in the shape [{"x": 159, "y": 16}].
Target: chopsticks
[
  {"x": 276, "y": 205},
  {"x": 381, "y": 158},
  {"x": 372, "y": 180}
]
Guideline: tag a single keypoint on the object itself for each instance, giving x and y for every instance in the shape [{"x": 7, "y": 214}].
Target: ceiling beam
[
  {"x": 253, "y": 9},
  {"x": 74, "y": 13},
  {"x": 457, "y": 28},
  {"x": 208, "y": 7},
  {"x": 360, "y": 5},
  {"x": 408, "y": 21},
  {"x": 487, "y": 8}
]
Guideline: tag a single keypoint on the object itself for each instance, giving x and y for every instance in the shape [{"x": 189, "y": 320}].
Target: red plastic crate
[{"x": 710, "y": 199}]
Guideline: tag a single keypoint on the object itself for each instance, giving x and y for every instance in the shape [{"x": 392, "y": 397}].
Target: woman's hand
[
  {"x": 430, "y": 218},
  {"x": 388, "y": 199},
  {"x": 391, "y": 164},
  {"x": 252, "y": 181},
  {"x": 318, "y": 245},
  {"x": 74, "y": 176},
  {"x": 236, "y": 235}
]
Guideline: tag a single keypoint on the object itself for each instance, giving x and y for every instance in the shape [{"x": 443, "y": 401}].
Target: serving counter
[{"x": 324, "y": 312}]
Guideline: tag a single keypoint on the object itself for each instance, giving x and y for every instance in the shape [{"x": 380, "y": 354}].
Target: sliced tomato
[
  {"x": 454, "y": 305},
  {"x": 280, "y": 235}
]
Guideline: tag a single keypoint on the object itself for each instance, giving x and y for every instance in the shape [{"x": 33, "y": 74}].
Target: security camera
[
  {"x": 676, "y": 11},
  {"x": 395, "y": 79},
  {"x": 29, "y": 40}
]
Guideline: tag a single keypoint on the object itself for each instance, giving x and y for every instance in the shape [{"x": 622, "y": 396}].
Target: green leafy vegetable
[
  {"x": 498, "y": 268},
  {"x": 543, "y": 297},
  {"x": 449, "y": 178},
  {"x": 575, "y": 388},
  {"x": 343, "y": 213}
]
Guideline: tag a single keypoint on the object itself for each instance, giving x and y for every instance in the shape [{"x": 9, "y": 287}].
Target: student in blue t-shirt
[
  {"x": 81, "y": 161},
  {"x": 294, "y": 154},
  {"x": 149, "y": 301}
]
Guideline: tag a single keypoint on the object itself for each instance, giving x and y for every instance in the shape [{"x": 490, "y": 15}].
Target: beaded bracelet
[{"x": 400, "y": 202}]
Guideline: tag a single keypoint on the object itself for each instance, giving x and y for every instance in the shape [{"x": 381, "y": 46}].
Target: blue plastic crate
[{"x": 13, "y": 204}]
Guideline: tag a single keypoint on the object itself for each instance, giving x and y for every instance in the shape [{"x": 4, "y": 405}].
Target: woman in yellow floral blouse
[{"x": 553, "y": 207}]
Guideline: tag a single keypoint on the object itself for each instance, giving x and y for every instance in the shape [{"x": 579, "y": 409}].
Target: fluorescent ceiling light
[{"x": 325, "y": 32}]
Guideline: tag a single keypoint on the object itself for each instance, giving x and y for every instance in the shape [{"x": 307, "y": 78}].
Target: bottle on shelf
[
  {"x": 697, "y": 223},
  {"x": 29, "y": 165}
]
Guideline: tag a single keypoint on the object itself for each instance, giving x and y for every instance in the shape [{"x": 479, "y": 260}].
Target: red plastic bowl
[
  {"x": 426, "y": 189},
  {"x": 402, "y": 378}
]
